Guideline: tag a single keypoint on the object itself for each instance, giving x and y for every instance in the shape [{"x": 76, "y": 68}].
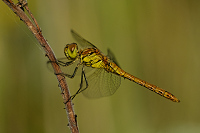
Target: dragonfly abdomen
[
  {"x": 151, "y": 87},
  {"x": 117, "y": 70}
]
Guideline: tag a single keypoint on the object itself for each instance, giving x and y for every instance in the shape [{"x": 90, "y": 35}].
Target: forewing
[{"x": 81, "y": 41}]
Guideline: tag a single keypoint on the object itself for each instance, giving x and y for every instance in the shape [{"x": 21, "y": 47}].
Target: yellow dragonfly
[{"x": 106, "y": 78}]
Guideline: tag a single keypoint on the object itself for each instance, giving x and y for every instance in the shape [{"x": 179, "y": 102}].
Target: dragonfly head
[{"x": 71, "y": 51}]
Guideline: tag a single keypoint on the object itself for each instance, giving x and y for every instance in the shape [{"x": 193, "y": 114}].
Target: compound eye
[{"x": 71, "y": 51}]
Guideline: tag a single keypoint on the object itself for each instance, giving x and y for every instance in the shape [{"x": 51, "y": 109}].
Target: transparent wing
[
  {"x": 112, "y": 57},
  {"x": 81, "y": 41},
  {"x": 102, "y": 83}
]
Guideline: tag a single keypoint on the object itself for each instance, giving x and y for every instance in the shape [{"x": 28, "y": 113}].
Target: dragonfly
[{"x": 106, "y": 77}]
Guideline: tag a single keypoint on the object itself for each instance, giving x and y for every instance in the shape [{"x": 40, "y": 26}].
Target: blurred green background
[{"x": 157, "y": 41}]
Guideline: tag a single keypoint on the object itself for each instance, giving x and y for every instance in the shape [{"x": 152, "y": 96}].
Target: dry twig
[{"x": 18, "y": 9}]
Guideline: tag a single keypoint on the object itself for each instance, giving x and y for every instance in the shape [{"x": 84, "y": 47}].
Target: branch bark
[{"x": 18, "y": 9}]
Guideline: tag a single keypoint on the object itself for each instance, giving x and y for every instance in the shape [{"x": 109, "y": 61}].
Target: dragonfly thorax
[{"x": 71, "y": 51}]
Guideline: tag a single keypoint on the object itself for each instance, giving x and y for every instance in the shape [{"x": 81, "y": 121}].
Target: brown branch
[{"x": 35, "y": 29}]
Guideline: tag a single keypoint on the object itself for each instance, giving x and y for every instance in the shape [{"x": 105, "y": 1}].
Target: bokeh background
[{"x": 157, "y": 41}]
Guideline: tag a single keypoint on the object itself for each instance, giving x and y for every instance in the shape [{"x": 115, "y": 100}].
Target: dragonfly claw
[{"x": 68, "y": 100}]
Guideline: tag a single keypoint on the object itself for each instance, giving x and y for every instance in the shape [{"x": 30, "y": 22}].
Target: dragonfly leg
[
  {"x": 68, "y": 75},
  {"x": 81, "y": 85},
  {"x": 85, "y": 82},
  {"x": 64, "y": 64}
]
